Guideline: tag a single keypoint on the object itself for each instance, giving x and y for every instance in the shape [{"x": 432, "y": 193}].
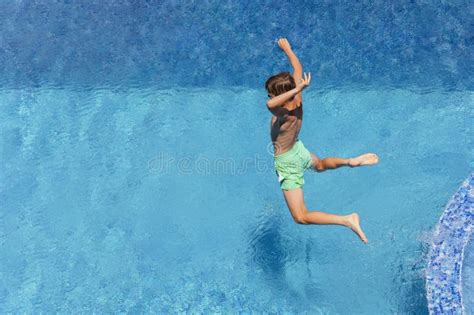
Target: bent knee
[
  {"x": 319, "y": 166},
  {"x": 300, "y": 219}
]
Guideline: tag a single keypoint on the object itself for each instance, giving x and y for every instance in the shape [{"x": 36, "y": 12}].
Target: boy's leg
[
  {"x": 320, "y": 165},
  {"x": 329, "y": 163},
  {"x": 295, "y": 201}
]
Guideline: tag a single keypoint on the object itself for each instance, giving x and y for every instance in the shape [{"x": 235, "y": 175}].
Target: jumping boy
[{"x": 291, "y": 158}]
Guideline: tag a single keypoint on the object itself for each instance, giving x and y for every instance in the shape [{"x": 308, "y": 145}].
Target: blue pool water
[{"x": 136, "y": 174}]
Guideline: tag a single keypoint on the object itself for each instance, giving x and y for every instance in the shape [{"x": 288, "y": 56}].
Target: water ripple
[{"x": 268, "y": 247}]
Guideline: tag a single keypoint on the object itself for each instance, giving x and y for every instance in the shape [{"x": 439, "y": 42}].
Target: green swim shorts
[{"x": 291, "y": 165}]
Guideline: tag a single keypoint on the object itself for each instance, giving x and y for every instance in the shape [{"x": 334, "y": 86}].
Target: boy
[{"x": 291, "y": 158}]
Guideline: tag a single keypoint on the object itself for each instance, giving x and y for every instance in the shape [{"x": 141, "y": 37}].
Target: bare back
[{"x": 285, "y": 129}]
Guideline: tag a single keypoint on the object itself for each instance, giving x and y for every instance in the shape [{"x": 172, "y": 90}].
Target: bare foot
[
  {"x": 354, "y": 224},
  {"x": 364, "y": 159}
]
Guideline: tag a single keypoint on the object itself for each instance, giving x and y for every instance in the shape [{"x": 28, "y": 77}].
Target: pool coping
[{"x": 444, "y": 270}]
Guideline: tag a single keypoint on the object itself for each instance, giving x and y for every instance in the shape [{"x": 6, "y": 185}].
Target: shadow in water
[
  {"x": 273, "y": 249},
  {"x": 269, "y": 250},
  {"x": 266, "y": 247}
]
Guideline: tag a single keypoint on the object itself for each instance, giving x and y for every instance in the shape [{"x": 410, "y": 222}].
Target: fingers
[
  {"x": 283, "y": 43},
  {"x": 306, "y": 78}
]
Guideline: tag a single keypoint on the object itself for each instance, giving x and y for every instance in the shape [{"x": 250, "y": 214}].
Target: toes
[
  {"x": 364, "y": 159},
  {"x": 375, "y": 157}
]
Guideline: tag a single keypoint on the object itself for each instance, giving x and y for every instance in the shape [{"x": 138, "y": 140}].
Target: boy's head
[{"x": 279, "y": 84}]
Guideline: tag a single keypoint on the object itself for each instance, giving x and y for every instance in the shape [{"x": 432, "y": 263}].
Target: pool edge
[{"x": 445, "y": 258}]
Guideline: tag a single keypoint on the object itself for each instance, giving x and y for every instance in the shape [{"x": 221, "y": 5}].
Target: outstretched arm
[{"x": 295, "y": 62}]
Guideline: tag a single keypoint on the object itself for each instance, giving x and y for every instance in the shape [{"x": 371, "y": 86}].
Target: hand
[
  {"x": 291, "y": 106},
  {"x": 284, "y": 44},
  {"x": 304, "y": 81}
]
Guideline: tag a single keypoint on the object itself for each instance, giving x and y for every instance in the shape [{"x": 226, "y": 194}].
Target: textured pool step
[{"x": 443, "y": 275}]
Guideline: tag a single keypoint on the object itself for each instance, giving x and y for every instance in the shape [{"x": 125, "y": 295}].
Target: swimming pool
[
  {"x": 468, "y": 278},
  {"x": 448, "y": 271},
  {"x": 135, "y": 170}
]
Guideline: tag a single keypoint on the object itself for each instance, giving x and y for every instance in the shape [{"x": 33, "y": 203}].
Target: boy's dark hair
[{"x": 280, "y": 83}]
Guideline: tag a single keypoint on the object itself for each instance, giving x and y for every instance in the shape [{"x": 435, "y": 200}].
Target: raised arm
[{"x": 295, "y": 62}]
